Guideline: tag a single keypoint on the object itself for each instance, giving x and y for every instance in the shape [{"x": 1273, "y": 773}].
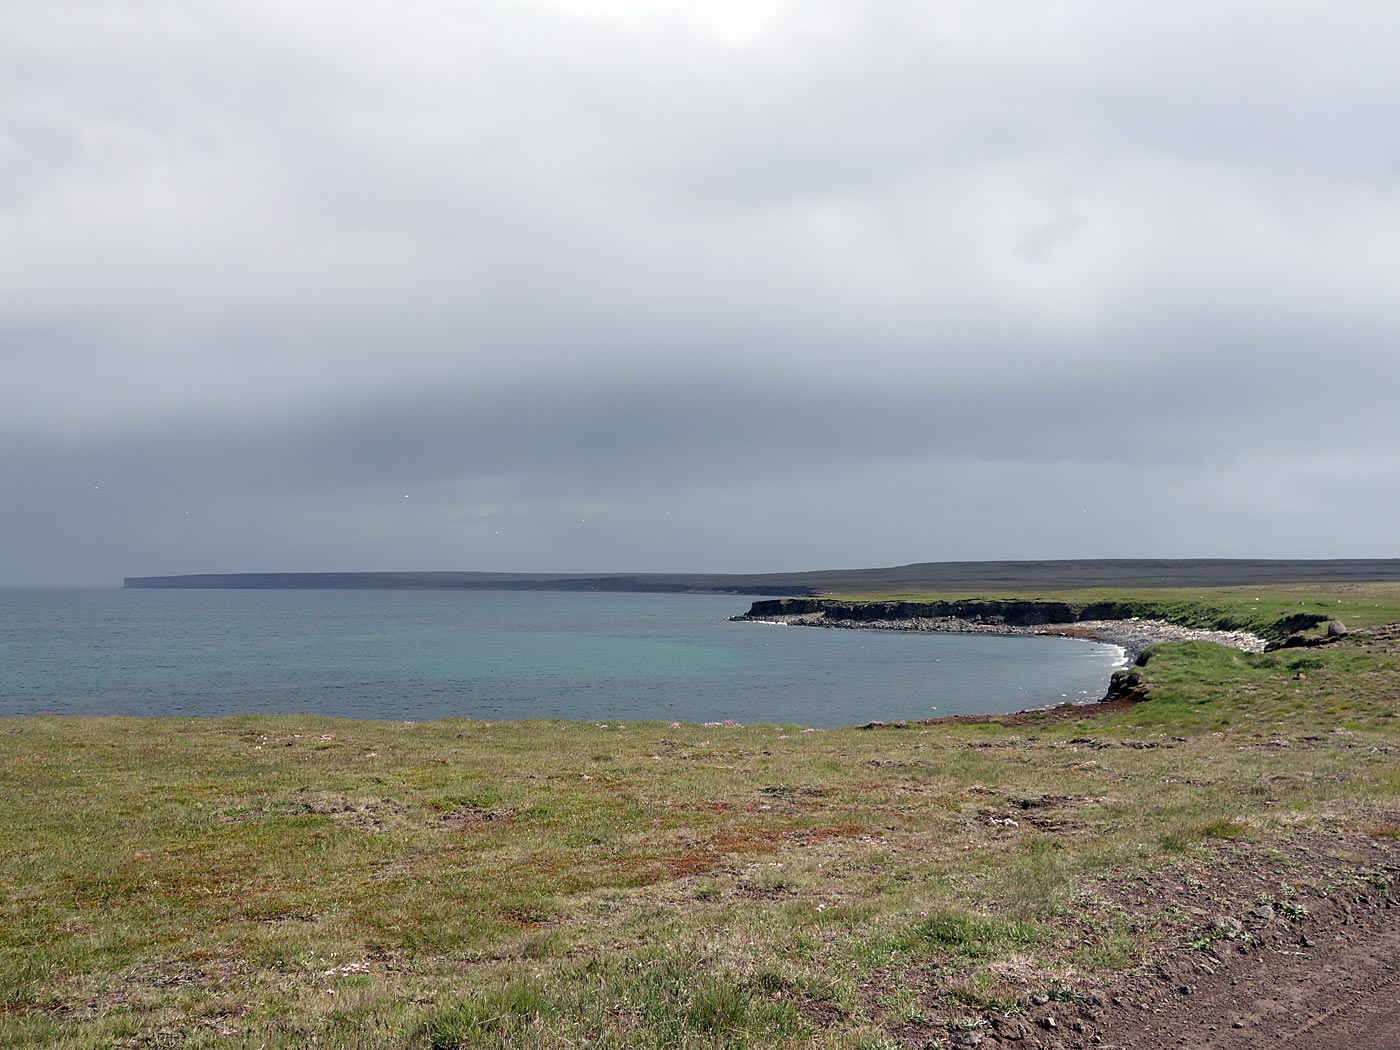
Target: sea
[{"x": 496, "y": 655}]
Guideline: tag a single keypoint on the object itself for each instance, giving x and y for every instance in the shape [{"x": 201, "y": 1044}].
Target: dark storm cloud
[{"x": 554, "y": 270}]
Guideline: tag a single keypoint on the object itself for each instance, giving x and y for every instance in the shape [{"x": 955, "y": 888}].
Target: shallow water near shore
[{"x": 503, "y": 655}]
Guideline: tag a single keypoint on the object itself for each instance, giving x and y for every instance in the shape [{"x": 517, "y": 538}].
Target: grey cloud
[{"x": 532, "y": 258}]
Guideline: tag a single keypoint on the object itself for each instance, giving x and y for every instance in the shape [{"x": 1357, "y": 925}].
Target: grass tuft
[{"x": 494, "y": 1018}]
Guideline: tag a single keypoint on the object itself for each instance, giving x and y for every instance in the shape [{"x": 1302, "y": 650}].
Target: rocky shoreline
[{"x": 1133, "y": 636}]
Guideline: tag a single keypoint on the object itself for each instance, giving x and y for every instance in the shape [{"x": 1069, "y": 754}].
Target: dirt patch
[
  {"x": 469, "y": 817},
  {"x": 1290, "y": 948},
  {"x": 1045, "y": 716},
  {"x": 714, "y": 852},
  {"x": 1321, "y": 983},
  {"x": 363, "y": 812}
]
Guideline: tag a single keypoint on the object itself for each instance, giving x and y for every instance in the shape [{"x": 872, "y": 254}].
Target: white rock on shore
[{"x": 1132, "y": 635}]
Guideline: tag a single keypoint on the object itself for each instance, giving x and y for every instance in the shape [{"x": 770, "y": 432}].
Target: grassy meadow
[{"x": 299, "y": 881}]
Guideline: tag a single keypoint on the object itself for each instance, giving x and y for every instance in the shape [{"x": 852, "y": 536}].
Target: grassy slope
[{"x": 270, "y": 881}]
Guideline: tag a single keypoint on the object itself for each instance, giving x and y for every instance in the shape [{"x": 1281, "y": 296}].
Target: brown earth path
[
  {"x": 1330, "y": 981},
  {"x": 1365, "y": 1020},
  {"x": 1338, "y": 985}
]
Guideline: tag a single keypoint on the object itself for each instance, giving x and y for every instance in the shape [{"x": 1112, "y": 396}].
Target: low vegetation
[{"x": 280, "y": 882}]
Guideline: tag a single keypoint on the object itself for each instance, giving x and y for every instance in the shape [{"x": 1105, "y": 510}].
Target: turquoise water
[{"x": 503, "y": 655}]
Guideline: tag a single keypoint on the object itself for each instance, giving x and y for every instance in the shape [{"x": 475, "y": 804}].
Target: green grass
[{"x": 289, "y": 881}]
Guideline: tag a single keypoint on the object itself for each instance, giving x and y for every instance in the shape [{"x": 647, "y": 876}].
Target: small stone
[
  {"x": 1336, "y": 629},
  {"x": 967, "y": 1039},
  {"x": 1047, "y": 1022},
  {"x": 1226, "y": 926},
  {"x": 1236, "y": 1024},
  {"x": 1263, "y": 911},
  {"x": 1012, "y": 1029},
  {"x": 1039, "y": 1000}
]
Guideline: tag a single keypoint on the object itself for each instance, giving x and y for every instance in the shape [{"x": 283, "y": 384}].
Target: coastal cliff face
[
  {"x": 1010, "y": 612},
  {"x": 1013, "y": 615}
]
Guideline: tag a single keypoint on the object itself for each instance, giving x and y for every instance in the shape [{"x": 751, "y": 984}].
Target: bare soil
[
  {"x": 1239, "y": 969},
  {"x": 1037, "y": 717},
  {"x": 1335, "y": 984}
]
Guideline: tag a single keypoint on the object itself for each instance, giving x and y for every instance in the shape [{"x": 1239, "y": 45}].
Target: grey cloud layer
[{"x": 528, "y": 258}]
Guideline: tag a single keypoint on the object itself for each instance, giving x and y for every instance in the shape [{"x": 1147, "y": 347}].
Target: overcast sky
[{"x": 603, "y": 285}]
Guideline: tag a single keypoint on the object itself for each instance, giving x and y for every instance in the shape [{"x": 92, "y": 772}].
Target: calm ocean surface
[{"x": 502, "y": 655}]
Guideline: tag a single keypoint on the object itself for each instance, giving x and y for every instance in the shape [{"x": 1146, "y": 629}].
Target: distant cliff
[
  {"x": 937, "y": 577},
  {"x": 658, "y": 583},
  {"x": 1011, "y": 612}
]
